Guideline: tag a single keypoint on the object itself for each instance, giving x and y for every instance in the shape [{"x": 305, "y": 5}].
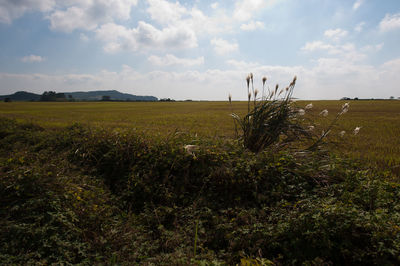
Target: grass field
[
  {"x": 378, "y": 141},
  {"x": 118, "y": 189}
]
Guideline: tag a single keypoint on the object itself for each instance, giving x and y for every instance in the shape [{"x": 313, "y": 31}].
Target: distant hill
[
  {"x": 22, "y": 96},
  {"x": 82, "y": 96},
  {"x": 114, "y": 95}
]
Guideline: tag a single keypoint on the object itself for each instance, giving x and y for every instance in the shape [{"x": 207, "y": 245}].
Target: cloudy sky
[{"x": 201, "y": 49}]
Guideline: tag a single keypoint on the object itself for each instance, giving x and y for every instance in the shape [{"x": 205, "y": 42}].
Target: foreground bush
[{"x": 81, "y": 195}]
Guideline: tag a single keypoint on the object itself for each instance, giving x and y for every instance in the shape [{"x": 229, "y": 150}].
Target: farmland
[
  {"x": 115, "y": 183},
  {"x": 377, "y": 143}
]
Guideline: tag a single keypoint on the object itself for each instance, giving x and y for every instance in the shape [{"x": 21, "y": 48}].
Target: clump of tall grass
[
  {"x": 274, "y": 120},
  {"x": 271, "y": 118}
]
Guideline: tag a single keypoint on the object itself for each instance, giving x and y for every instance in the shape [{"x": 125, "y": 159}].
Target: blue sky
[{"x": 201, "y": 50}]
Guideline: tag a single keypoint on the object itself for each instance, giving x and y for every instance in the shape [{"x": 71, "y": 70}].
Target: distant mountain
[
  {"x": 22, "y": 96},
  {"x": 82, "y": 96},
  {"x": 114, "y": 95}
]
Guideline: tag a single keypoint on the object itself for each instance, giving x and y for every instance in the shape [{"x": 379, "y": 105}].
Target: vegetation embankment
[{"x": 81, "y": 194}]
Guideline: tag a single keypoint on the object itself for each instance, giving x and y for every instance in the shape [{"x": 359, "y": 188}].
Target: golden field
[{"x": 378, "y": 141}]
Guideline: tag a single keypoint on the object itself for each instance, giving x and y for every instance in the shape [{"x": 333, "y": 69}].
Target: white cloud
[
  {"x": 359, "y": 27},
  {"x": 252, "y": 25},
  {"x": 223, "y": 47},
  {"x": 247, "y": 9},
  {"x": 390, "y": 22},
  {"x": 357, "y": 4},
  {"x": 209, "y": 25},
  {"x": 145, "y": 37},
  {"x": 165, "y": 12},
  {"x": 243, "y": 65},
  {"x": 71, "y": 19},
  {"x": 317, "y": 45},
  {"x": 372, "y": 48},
  {"x": 12, "y": 9},
  {"x": 176, "y": 15},
  {"x": 88, "y": 15},
  {"x": 335, "y": 34},
  {"x": 347, "y": 51},
  {"x": 170, "y": 59},
  {"x": 32, "y": 59}
]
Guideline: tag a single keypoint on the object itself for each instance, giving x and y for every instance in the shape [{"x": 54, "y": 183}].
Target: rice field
[{"x": 378, "y": 141}]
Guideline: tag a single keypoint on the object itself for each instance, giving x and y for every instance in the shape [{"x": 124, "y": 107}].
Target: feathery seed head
[
  {"x": 264, "y": 79},
  {"x": 293, "y": 81},
  {"x": 341, "y": 134},
  {"x": 356, "y": 130},
  {"x": 301, "y": 112},
  {"x": 309, "y": 106},
  {"x": 248, "y": 81},
  {"x": 249, "y": 96},
  {"x": 345, "y": 108},
  {"x": 230, "y": 98},
  {"x": 255, "y": 93},
  {"x": 324, "y": 113}
]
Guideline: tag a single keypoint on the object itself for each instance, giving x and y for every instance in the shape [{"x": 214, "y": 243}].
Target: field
[
  {"x": 377, "y": 143},
  {"x": 117, "y": 184}
]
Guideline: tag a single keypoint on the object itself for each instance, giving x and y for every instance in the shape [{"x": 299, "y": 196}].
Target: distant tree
[
  {"x": 7, "y": 100},
  {"x": 106, "y": 98},
  {"x": 391, "y": 97},
  {"x": 356, "y": 98},
  {"x": 52, "y": 96},
  {"x": 48, "y": 96},
  {"x": 167, "y": 100}
]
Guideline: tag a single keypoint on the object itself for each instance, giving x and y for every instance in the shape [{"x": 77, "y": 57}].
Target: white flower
[
  {"x": 345, "y": 108},
  {"x": 309, "y": 106},
  {"x": 356, "y": 130},
  {"x": 190, "y": 149},
  {"x": 301, "y": 112},
  {"x": 342, "y": 133},
  {"x": 324, "y": 113}
]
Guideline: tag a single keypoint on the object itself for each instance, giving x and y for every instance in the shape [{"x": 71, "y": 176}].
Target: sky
[{"x": 201, "y": 50}]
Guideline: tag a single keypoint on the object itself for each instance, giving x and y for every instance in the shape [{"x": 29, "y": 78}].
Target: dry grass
[{"x": 378, "y": 141}]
